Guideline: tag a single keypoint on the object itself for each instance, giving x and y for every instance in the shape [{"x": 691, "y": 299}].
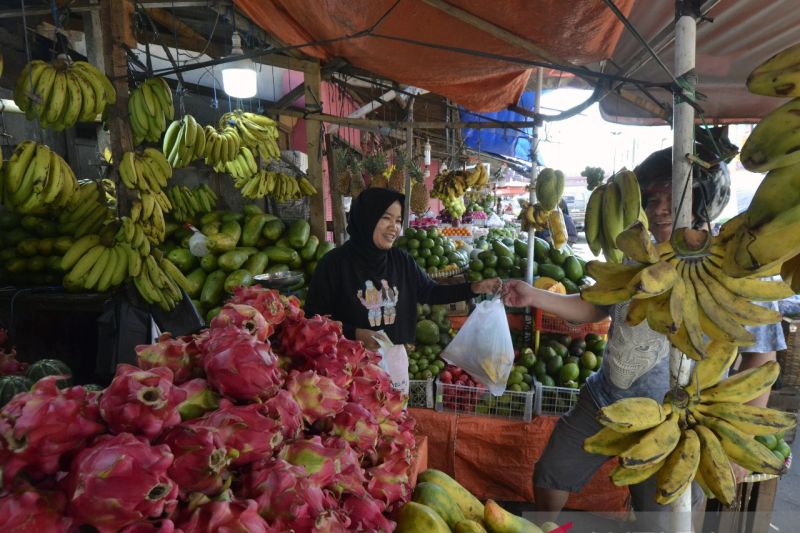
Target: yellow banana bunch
[
  {"x": 148, "y": 212},
  {"x": 87, "y": 213},
  {"x": 221, "y": 146},
  {"x": 450, "y": 184},
  {"x": 188, "y": 203},
  {"x": 242, "y": 167},
  {"x": 131, "y": 235},
  {"x": 549, "y": 188},
  {"x": 184, "y": 142},
  {"x": 613, "y": 207},
  {"x": 533, "y": 216},
  {"x": 257, "y": 132},
  {"x": 282, "y": 187},
  {"x": 63, "y": 92},
  {"x": 90, "y": 265},
  {"x": 696, "y": 432},
  {"x": 148, "y": 172},
  {"x": 150, "y": 108},
  {"x": 777, "y": 76},
  {"x": 37, "y": 181},
  {"x": 478, "y": 177},
  {"x": 157, "y": 287}
]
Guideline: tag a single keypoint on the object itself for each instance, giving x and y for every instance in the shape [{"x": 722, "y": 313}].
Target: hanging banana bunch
[
  {"x": 221, "y": 146},
  {"x": 697, "y": 432},
  {"x": 148, "y": 212},
  {"x": 612, "y": 207},
  {"x": 148, "y": 172},
  {"x": 257, "y": 132},
  {"x": 184, "y": 142},
  {"x": 63, "y": 92},
  {"x": 36, "y": 180},
  {"x": 150, "y": 108},
  {"x": 188, "y": 203}
]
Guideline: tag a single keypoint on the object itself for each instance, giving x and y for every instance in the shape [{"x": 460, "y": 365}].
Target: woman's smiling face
[{"x": 387, "y": 230}]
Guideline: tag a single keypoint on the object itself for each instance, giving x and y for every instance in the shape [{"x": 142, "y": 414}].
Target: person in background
[
  {"x": 572, "y": 231},
  {"x": 370, "y": 286}
]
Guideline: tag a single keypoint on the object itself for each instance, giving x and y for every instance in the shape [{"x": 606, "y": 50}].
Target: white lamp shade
[{"x": 239, "y": 79}]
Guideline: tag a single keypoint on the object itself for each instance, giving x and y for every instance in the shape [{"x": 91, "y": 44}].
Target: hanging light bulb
[
  {"x": 239, "y": 77},
  {"x": 426, "y": 153}
]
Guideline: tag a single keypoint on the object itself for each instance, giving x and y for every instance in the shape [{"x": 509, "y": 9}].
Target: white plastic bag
[
  {"x": 483, "y": 346},
  {"x": 198, "y": 243},
  {"x": 394, "y": 360}
]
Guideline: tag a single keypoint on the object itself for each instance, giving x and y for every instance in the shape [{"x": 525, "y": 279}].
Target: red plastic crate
[{"x": 547, "y": 323}]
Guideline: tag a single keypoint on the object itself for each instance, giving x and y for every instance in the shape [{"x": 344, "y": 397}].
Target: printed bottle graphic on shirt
[{"x": 380, "y": 303}]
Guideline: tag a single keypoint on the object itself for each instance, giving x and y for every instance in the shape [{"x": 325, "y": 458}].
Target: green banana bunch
[
  {"x": 777, "y": 76},
  {"x": 92, "y": 266},
  {"x": 280, "y": 186},
  {"x": 131, "y": 235},
  {"x": 148, "y": 172},
  {"x": 188, "y": 203},
  {"x": 61, "y": 93},
  {"x": 150, "y": 107},
  {"x": 549, "y": 188},
  {"x": 221, "y": 146},
  {"x": 155, "y": 285},
  {"x": 257, "y": 132},
  {"x": 242, "y": 167},
  {"x": 37, "y": 181},
  {"x": 773, "y": 142},
  {"x": 148, "y": 212},
  {"x": 184, "y": 142}
]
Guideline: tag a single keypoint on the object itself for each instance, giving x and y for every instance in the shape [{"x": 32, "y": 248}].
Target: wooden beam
[
  {"x": 337, "y": 205},
  {"x": 312, "y": 82},
  {"x": 116, "y": 19},
  {"x": 185, "y": 33},
  {"x": 288, "y": 98}
]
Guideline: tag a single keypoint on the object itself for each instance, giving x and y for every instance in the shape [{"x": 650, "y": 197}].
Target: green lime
[
  {"x": 424, "y": 253},
  {"x": 505, "y": 262},
  {"x": 525, "y": 386},
  {"x": 514, "y": 378},
  {"x": 401, "y": 242},
  {"x": 770, "y": 441},
  {"x": 546, "y": 353},
  {"x": 585, "y": 373},
  {"x": 413, "y": 252},
  {"x": 413, "y": 244},
  {"x": 489, "y": 273},
  {"x": 784, "y": 448},
  {"x": 420, "y": 261},
  {"x": 572, "y": 359},
  {"x": 569, "y": 372},
  {"x": 426, "y": 374},
  {"x": 527, "y": 378},
  {"x": 413, "y": 368}
]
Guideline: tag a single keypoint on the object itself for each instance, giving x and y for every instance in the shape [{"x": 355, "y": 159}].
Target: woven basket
[{"x": 789, "y": 359}]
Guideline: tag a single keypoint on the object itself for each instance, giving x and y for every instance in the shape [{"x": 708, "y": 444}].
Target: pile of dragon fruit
[{"x": 267, "y": 421}]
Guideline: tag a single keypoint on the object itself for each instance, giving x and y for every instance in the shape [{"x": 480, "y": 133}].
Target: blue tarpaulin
[{"x": 506, "y": 142}]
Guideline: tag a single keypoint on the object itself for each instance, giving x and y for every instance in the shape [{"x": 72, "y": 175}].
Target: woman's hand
[
  {"x": 367, "y": 338},
  {"x": 487, "y": 286},
  {"x": 517, "y": 293}
]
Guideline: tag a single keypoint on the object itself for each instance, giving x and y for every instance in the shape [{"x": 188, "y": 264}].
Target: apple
[{"x": 446, "y": 377}]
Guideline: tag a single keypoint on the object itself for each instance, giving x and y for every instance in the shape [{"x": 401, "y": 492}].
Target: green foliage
[{"x": 594, "y": 176}]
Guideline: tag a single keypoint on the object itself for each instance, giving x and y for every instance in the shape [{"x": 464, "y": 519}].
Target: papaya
[
  {"x": 520, "y": 248},
  {"x": 469, "y": 504},
  {"x": 208, "y": 218},
  {"x": 211, "y": 294},
  {"x": 37, "y": 263},
  {"x": 469, "y": 526},
  {"x": 501, "y": 250},
  {"x": 209, "y": 262},
  {"x": 541, "y": 249},
  {"x": 277, "y": 268},
  {"x": 281, "y": 255},
  {"x": 237, "y": 278},
  {"x": 436, "y": 498},
  {"x": 310, "y": 249},
  {"x": 284, "y": 241},
  {"x": 551, "y": 271},
  {"x": 214, "y": 311},
  {"x": 298, "y": 233},
  {"x": 273, "y": 230},
  {"x": 323, "y": 248},
  {"x": 498, "y": 520},
  {"x": 257, "y": 263},
  {"x": 296, "y": 263},
  {"x": 252, "y": 229},
  {"x": 232, "y": 260},
  {"x": 196, "y": 279},
  {"x": 212, "y": 228},
  {"x": 231, "y": 217},
  {"x": 28, "y": 247},
  {"x": 251, "y": 210},
  {"x": 183, "y": 259},
  {"x": 228, "y": 237},
  {"x": 414, "y": 517}
]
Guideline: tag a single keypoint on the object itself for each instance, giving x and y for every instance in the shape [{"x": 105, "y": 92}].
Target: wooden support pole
[
  {"x": 313, "y": 85},
  {"x": 337, "y": 205},
  {"x": 116, "y": 19}
]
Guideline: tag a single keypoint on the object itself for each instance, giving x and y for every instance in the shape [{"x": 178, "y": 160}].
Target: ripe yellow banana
[
  {"x": 653, "y": 280},
  {"x": 612, "y": 222},
  {"x": 623, "y": 476},
  {"x": 636, "y": 243},
  {"x": 773, "y": 142},
  {"x": 631, "y": 196},
  {"x": 655, "y": 445},
  {"x": 593, "y": 221},
  {"x": 715, "y": 467},
  {"x": 750, "y": 419},
  {"x": 679, "y": 469},
  {"x": 777, "y": 76},
  {"x": 743, "y": 386},
  {"x": 710, "y": 370},
  {"x": 631, "y": 415},
  {"x": 742, "y": 448},
  {"x": 610, "y": 442}
]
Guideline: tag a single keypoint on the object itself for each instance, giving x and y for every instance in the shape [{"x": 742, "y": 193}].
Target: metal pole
[
  {"x": 683, "y": 143},
  {"x": 534, "y": 171}
]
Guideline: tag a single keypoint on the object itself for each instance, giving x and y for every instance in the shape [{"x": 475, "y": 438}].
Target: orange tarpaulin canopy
[{"x": 587, "y": 32}]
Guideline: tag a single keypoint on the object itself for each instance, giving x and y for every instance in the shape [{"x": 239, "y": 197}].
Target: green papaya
[
  {"x": 28, "y": 247},
  {"x": 183, "y": 259},
  {"x": 232, "y": 217},
  {"x": 501, "y": 250},
  {"x": 296, "y": 263},
  {"x": 323, "y": 248},
  {"x": 252, "y": 229},
  {"x": 209, "y": 263},
  {"x": 257, "y": 263},
  {"x": 237, "y": 278},
  {"x": 308, "y": 251},
  {"x": 541, "y": 249},
  {"x": 520, "y": 248},
  {"x": 281, "y": 255},
  {"x": 208, "y": 218},
  {"x": 232, "y": 260},
  {"x": 196, "y": 279},
  {"x": 284, "y": 241},
  {"x": 436, "y": 498},
  {"x": 572, "y": 268},
  {"x": 214, "y": 311},
  {"x": 298, "y": 233},
  {"x": 551, "y": 271},
  {"x": 415, "y": 517},
  {"x": 277, "y": 268},
  {"x": 212, "y": 228},
  {"x": 227, "y": 238},
  {"x": 211, "y": 294},
  {"x": 251, "y": 210},
  {"x": 273, "y": 230}
]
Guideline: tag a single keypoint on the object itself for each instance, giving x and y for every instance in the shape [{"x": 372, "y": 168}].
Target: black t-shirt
[{"x": 344, "y": 288}]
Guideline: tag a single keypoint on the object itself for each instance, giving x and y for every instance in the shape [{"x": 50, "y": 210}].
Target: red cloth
[{"x": 494, "y": 458}]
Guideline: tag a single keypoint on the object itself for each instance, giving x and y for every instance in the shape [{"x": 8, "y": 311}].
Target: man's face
[{"x": 659, "y": 211}]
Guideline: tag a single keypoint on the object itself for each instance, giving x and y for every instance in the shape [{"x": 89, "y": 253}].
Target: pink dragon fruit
[
  {"x": 245, "y": 429},
  {"x": 120, "y": 480},
  {"x": 200, "y": 399},
  {"x": 40, "y": 427},
  {"x": 333, "y": 367},
  {"x": 284, "y": 409},
  {"x": 377, "y": 374},
  {"x": 331, "y": 521},
  {"x": 226, "y": 517},
  {"x": 179, "y": 355},
  {"x": 319, "y": 461},
  {"x": 388, "y": 482},
  {"x": 143, "y": 402},
  {"x": 9, "y": 366},
  {"x": 401, "y": 445},
  {"x": 268, "y": 302},
  {"x": 244, "y": 317},
  {"x": 241, "y": 367},
  {"x": 201, "y": 459},
  {"x": 351, "y": 352},
  {"x": 366, "y": 514},
  {"x": 366, "y": 392},
  {"x": 318, "y": 396},
  {"x": 31, "y": 510},
  {"x": 309, "y": 338},
  {"x": 350, "y": 479},
  {"x": 159, "y": 526},
  {"x": 357, "y": 426},
  {"x": 286, "y": 497}
]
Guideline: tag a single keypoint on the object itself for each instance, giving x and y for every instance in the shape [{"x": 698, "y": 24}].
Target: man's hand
[
  {"x": 487, "y": 286},
  {"x": 366, "y": 336},
  {"x": 517, "y": 293}
]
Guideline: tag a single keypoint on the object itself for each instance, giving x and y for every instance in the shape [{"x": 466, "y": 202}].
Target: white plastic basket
[
  {"x": 479, "y": 401},
  {"x": 420, "y": 393},
  {"x": 555, "y": 401}
]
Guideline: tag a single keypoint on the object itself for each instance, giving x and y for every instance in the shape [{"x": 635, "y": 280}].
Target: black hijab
[{"x": 365, "y": 212}]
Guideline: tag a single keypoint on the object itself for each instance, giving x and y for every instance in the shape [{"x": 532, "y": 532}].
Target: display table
[
  {"x": 494, "y": 458},
  {"x": 420, "y": 463}
]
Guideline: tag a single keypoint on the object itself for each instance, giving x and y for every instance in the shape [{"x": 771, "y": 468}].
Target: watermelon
[
  {"x": 50, "y": 367},
  {"x": 10, "y": 386}
]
